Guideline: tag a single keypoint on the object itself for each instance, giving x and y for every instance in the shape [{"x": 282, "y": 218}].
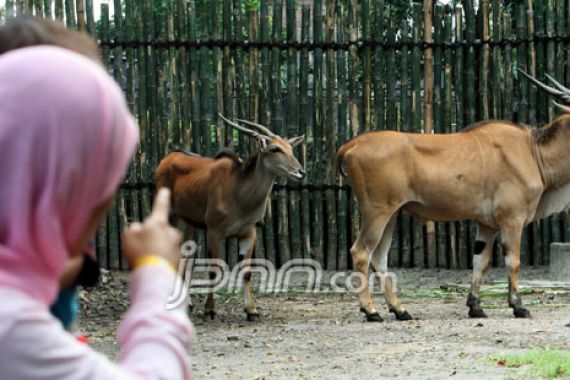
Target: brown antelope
[
  {"x": 228, "y": 196},
  {"x": 498, "y": 174}
]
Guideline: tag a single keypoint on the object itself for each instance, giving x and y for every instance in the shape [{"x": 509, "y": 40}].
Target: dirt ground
[{"x": 314, "y": 336}]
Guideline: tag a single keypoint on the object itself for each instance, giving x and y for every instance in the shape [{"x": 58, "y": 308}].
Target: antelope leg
[
  {"x": 247, "y": 249},
  {"x": 379, "y": 264},
  {"x": 482, "y": 255},
  {"x": 369, "y": 237},
  {"x": 214, "y": 243},
  {"x": 512, "y": 244}
]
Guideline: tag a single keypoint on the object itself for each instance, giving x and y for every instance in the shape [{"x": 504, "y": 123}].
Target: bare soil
[{"x": 314, "y": 336}]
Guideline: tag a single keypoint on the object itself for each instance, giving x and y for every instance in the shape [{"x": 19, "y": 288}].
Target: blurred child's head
[
  {"x": 66, "y": 137},
  {"x": 28, "y": 31}
]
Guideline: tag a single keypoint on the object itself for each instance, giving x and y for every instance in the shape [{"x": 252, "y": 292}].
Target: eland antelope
[
  {"x": 498, "y": 174},
  {"x": 227, "y": 196}
]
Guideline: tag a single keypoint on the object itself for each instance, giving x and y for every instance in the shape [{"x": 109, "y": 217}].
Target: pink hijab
[{"x": 66, "y": 138}]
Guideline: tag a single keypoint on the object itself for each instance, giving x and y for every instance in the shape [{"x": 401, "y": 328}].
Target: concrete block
[{"x": 560, "y": 261}]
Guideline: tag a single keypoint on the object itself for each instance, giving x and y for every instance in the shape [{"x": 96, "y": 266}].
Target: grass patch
[
  {"x": 444, "y": 293},
  {"x": 542, "y": 363}
]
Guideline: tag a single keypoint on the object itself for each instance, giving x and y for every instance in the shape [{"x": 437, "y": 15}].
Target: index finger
[{"x": 161, "y": 206}]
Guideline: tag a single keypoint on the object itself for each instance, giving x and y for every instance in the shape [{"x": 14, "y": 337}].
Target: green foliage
[
  {"x": 251, "y": 5},
  {"x": 542, "y": 363},
  {"x": 160, "y": 6}
]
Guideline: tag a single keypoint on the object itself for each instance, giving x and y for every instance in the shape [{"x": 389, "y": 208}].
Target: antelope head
[
  {"x": 276, "y": 152},
  {"x": 561, "y": 92}
]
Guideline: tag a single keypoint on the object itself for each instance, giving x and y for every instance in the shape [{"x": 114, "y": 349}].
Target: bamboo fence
[{"x": 330, "y": 70}]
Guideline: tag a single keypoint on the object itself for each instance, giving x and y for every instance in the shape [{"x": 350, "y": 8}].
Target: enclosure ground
[{"x": 324, "y": 336}]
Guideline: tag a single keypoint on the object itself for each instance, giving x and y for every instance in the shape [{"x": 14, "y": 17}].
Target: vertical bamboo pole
[
  {"x": 90, "y": 16},
  {"x": 216, "y": 101},
  {"x": 293, "y": 126},
  {"x": 318, "y": 246},
  {"x": 58, "y": 10},
  {"x": 183, "y": 87},
  {"x": 437, "y": 69},
  {"x": 48, "y": 8},
  {"x": 536, "y": 100},
  {"x": 417, "y": 243},
  {"x": 406, "y": 240},
  {"x": 240, "y": 73},
  {"x": 194, "y": 81},
  {"x": 560, "y": 31},
  {"x": 378, "y": 72},
  {"x": 38, "y": 9},
  {"x": 81, "y": 20},
  {"x": 135, "y": 172},
  {"x": 111, "y": 245},
  {"x": 303, "y": 128},
  {"x": 255, "y": 85},
  {"x": 560, "y": 63},
  {"x": 497, "y": 66},
  {"x": 536, "y": 53},
  {"x": 509, "y": 74},
  {"x": 484, "y": 67},
  {"x": 459, "y": 81},
  {"x": 448, "y": 253},
  {"x": 70, "y": 14},
  {"x": 228, "y": 73},
  {"x": 343, "y": 132},
  {"x": 278, "y": 126},
  {"x": 353, "y": 95},
  {"x": 549, "y": 15},
  {"x": 546, "y": 225},
  {"x": 392, "y": 116},
  {"x": 522, "y": 108},
  {"x": 330, "y": 138},
  {"x": 428, "y": 112},
  {"x": 470, "y": 98},
  {"x": 367, "y": 64},
  {"x": 441, "y": 259},
  {"x": 470, "y": 57},
  {"x": 254, "y": 99},
  {"x": 266, "y": 117},
  {"x": 205, "y": 91},
  {"x": 173, "y": 111},
  {"x": 10, "y": 11},
  {"x": 103, "y": 232}
]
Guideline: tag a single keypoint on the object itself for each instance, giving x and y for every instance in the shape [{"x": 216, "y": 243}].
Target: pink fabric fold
[{"x": 66, "y": 138}]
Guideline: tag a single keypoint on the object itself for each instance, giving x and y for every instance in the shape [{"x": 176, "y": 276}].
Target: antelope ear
[{"x": 296, "y": 140}]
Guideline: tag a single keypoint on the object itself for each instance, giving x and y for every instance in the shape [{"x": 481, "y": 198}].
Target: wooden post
[
  {"x": 428, "y": 112},
  {"x": 304, "y": 120}
]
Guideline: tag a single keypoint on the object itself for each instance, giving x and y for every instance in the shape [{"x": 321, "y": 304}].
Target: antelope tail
[{"x": 340, "y": 156}]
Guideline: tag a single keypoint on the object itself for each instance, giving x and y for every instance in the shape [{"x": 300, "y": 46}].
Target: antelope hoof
[
  {"x": 374, "y": 317},
  {"x": 477, "y": 313},
  {"x": 210, "y": 313},
  {"x": 253, "y": 317},
  {"x": 402, "y": 316},
  {"x": 371, "y": 317},
  {"x": 521, "y": 312}
]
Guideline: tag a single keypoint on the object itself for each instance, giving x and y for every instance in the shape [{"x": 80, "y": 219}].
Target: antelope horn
[
  {"x": 561, "y": 87},
  {"x": 260, "y": 127},
  {"x": 562, "y": 107},
  {"x": 243, "y": 129},
  {"x": 546, "y": 88}
]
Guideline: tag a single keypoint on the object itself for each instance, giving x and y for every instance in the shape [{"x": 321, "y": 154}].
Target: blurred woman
[{"x": 66, "y": 138}]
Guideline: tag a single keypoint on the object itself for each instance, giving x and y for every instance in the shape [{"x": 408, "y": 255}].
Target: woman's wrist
[{"x": 153, "y": 260}]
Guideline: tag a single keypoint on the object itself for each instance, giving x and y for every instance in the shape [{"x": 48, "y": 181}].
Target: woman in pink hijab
[{"x": 66, "y": 138}]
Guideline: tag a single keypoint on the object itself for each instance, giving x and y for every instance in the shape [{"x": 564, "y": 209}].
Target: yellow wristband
[{"x": 153, "y": 260}]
